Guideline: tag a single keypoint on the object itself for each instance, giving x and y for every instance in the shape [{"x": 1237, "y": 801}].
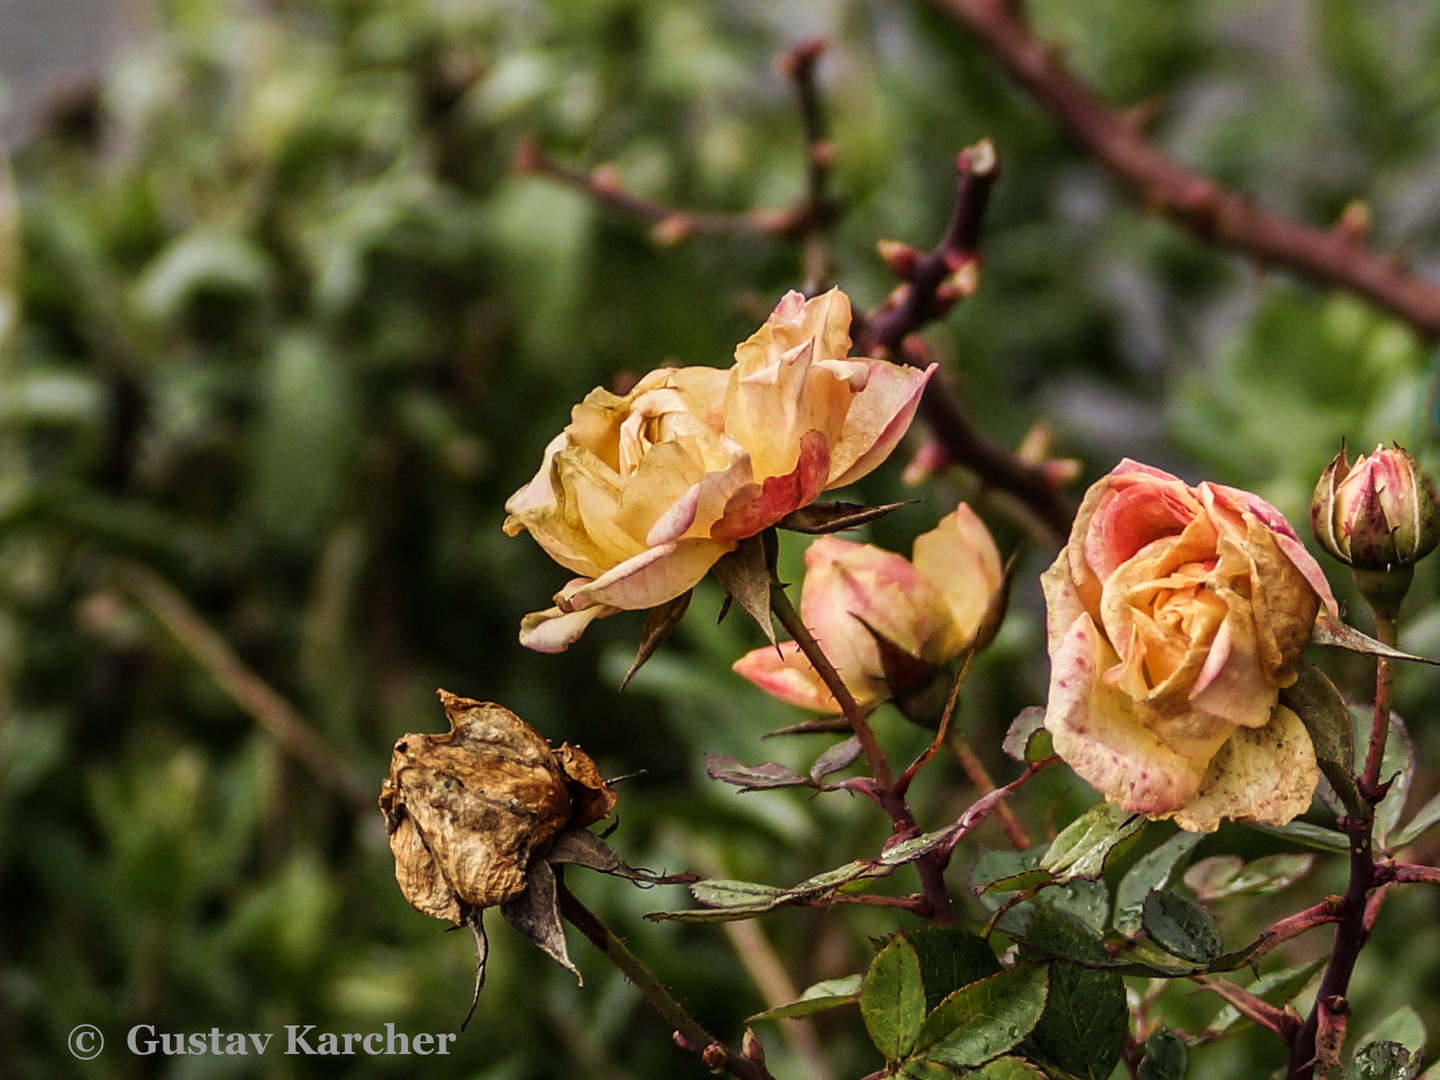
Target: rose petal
[
  {"x": 1096, "y": 730},
  {"x": 879, "y": 416},
  {"x": 554, "y": 631},
  {"x": 1285, "y": 537},
  {"x": 650, "y": 578},
  {"x": 787, "y": 675},
  {"x": 758, "y": 506},
  {"x": 960, "y": 559},
  {"x": 851, "y": 589},
  {"x": 1267, "y": 774}
]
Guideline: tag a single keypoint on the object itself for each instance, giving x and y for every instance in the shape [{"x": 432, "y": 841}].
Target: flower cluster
[{"x": 641, "y": 494}]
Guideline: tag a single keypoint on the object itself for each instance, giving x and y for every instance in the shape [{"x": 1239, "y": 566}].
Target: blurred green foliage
[{"x": 278, "y": 321}]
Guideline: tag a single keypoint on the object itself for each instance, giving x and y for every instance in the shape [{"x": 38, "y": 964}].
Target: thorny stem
[
  {"x": 688, "y": 1033},
  {"x": 1350, "y": 938},
  {"x": 1385, "y": 631},
  {"x": 1357, "y": 912},
  {"x": 1212, "y": 213},
  {"x": 934, "y": 284},
  {"x": 980, "y": 778},
  {"x": 934, "y": 287},
  {"x": 1329, "y": 910},
  {"x": 931, "y": 866},
  {"x": 794, "y": 625}
]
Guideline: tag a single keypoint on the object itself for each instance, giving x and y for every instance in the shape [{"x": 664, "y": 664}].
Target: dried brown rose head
[{"x": 468, "y": 811}]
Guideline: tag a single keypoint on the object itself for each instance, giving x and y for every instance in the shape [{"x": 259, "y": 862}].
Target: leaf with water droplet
[{"x": 986, "y": 1018}]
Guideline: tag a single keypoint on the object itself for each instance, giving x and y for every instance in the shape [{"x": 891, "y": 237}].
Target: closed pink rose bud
[
  {"x": 1377, "y": 514},
  {"x": 1175, "y": 617},
  {"x": 930, "y": 608}
]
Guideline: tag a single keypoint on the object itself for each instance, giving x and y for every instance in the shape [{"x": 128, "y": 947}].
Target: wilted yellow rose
[
  {"x": 641, "y": 494},
  {"x": 931, "y": 608},
  {"x": 1176, "y": 615}
]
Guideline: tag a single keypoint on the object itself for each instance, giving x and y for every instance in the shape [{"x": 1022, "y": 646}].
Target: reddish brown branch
[
  {"x": 1254, "y": 1008},
  {"x": 1212, "y": 213},
  {"x": 1412, "y": 874},
  {"x": 1350, "y": 937},
  {"x": 672, "y": 224},
  {"x": 931, "y": 285},
  {"x": 1329, "y": 910}
]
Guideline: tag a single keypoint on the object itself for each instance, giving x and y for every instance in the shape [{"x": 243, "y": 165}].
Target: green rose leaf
[
  {"x": 1382, "y": 1061},
  {"x": 1151, "y": 872},
  {"x": 1007, "y": 1068},
  {"x": 1225, "y": 876},
  {"x": 1181, "y": 927},
  {"x": 892, "y": 999},
  {"x": 950, "y": 957},
  {"x": 1322, "y": 710},
  {"x": 1086, "y": 1019},
  {"x": 1089, "y": 842},
  {"x": 829, "y": 994},
  {"x": 986, "y": 1018},
  {"x": 1166, "y": 1056}
]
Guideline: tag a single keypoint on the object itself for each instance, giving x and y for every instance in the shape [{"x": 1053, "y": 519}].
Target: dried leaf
[
  {"x": 745, "y": 573},
  {"x": 819, "y": 724},
  {"x": 840, "y": 756},
  {"x": 818, "y": 519},
  {"x": 536, "y": 914},
  {"x": 1330, "y": 631},
  {"x": 754, "y": 777},
  {"x": 591, "y": 798},
  {"x": 659, "y": 621},
  {"x": 582, "y": 848},
  {"x": 475, "y": 920}
]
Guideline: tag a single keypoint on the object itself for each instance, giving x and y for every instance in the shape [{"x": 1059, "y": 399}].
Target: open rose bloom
[
  {"x": 641, "y": 494},
  {"x": 1176, "y": 615},
  {"x": 930, "y": 607}
]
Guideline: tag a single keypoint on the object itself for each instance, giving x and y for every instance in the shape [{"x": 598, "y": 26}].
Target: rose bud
[
  {"x": 1378, "y": 513},
  {"x": 856, "y": 596}
]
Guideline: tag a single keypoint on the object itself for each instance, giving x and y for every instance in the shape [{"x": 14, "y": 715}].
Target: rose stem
[
  {"x": 688, "y": 1033},
  {"x": 885, "y": 332},
  {"x": 1380, "y": 726},
  {"x": 1350, "y": 938},
  {"x": 980, "y": 777},
  {"x": 1354, "y": 930},
  {"x": 930, "y": 866}
]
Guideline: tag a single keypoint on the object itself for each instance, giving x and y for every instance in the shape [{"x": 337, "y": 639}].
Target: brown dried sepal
[
  {"x": 591, "y": 798},
  {"x": 468, "y": 811}
]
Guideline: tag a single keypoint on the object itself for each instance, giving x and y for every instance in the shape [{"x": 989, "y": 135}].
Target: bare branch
[
  {"x": 672, "y": 224},
  {"x": 1208, "y": 210}
]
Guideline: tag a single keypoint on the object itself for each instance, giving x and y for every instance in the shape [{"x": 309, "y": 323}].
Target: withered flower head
[
  {"x": 468, "y": 811},
  {"x": 483, "y": 815}
]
